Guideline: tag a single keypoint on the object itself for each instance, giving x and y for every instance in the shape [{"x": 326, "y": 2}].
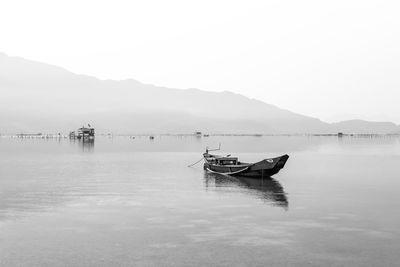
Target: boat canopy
[{"x": 226, "y": 161}]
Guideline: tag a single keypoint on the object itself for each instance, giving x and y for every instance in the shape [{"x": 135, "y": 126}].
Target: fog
[
  {"x": 38, "y": 97},
  {"x": 330, "y": 60}
]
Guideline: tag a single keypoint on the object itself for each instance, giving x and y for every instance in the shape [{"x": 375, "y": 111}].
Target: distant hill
[
  {"x": 37, "y": 97},
  {"x": 361, "y": 126}
]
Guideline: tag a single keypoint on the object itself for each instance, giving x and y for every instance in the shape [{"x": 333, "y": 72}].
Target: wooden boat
[{"x": 232, "y": 166}]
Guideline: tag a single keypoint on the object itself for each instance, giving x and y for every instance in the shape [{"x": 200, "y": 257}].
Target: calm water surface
[{"x": 134, "y": 202}]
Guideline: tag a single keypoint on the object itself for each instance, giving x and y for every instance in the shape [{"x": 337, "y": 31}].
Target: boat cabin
[{"x": 226, "y": 161}]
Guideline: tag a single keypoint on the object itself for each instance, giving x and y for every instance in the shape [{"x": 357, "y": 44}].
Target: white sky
[{"x": 328, "y": 59}]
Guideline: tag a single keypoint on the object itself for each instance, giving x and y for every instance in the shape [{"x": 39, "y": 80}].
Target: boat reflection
[{"x": 269, "y": 189}]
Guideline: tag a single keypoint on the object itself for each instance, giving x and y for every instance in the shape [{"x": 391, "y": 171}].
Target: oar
[{"x": 195, "y": 162}]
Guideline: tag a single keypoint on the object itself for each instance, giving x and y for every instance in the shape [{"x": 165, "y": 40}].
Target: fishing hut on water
[{"x": 83, "y": 133}]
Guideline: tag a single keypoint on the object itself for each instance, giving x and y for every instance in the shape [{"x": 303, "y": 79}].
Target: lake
[{"x": 134, "y": 202}]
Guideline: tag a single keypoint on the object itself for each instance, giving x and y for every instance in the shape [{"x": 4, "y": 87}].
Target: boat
[{"x": 232, "y": 166}]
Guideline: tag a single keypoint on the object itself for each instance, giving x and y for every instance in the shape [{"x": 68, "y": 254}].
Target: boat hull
[{"x": 264, "y": 168}]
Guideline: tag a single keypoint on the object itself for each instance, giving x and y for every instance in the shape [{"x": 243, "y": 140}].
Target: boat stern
[
  {"x": 268, "y": 167},
  {"x": 282, "y": 161}
]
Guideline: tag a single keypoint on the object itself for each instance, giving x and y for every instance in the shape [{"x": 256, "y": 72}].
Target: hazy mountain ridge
[
  {"x": 362, "y": 126},
  {"x": 41, "y": 97}
]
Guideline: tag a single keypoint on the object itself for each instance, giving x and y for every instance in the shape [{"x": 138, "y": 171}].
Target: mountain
[
  {"x": 362, "y": 126},
  {"x": 37, "y": 97}
]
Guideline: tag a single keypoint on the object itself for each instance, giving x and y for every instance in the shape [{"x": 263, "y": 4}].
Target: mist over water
[{"x": 123, "y": 201}]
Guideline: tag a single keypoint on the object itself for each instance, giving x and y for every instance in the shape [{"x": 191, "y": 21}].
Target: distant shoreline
[{"x": 339, "y": 135}]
